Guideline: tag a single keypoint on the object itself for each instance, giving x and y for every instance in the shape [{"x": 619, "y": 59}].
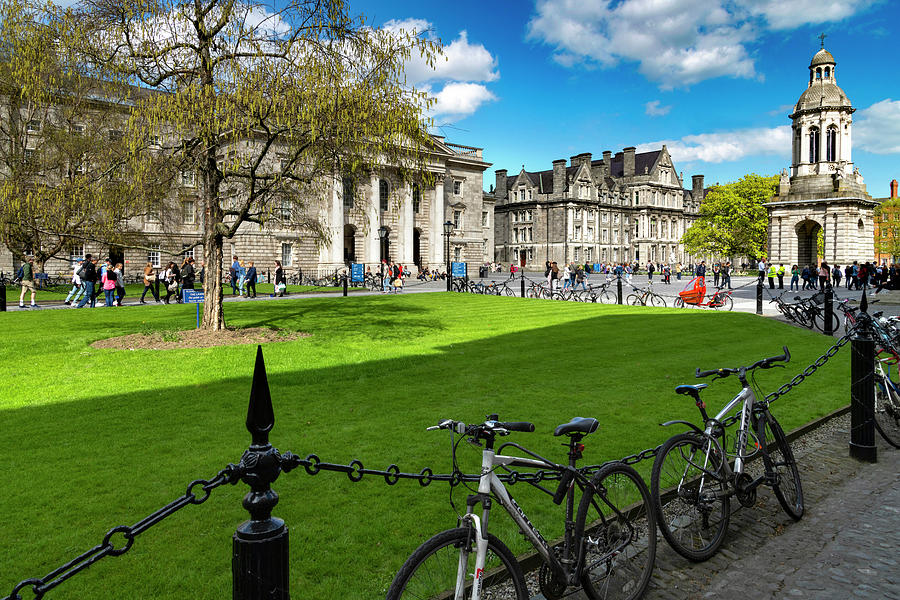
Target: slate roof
[{"x": 641, "y": 160}]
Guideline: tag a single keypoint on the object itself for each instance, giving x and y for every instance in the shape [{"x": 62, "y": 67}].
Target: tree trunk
[{"x": 213, "y": 313}]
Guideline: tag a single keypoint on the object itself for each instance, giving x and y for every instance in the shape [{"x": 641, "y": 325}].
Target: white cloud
[
  {"x": 877, "y": 128},
  {"x": 461, "y": 60},
  {"x": 789, "y": 15},
  {"x": 727, "y": 145},
  {"x": 458, "y": 100},
  {"x": 675, "y": 42},
  {"x": 654, "y": 109}
]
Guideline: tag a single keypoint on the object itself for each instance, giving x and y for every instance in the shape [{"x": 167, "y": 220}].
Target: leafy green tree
[
  {"x": 732, "y": 220},
  {"x": 887, "y": 227},
  {"x": 268, "y": 109}
]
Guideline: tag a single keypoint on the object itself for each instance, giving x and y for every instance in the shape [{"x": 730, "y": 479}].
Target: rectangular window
[
  {"x": 528, "y": 215},
  {"x": 603, "y": 254},
  {"x": 153, "y": 255},
  {"x": 578, "y": 232},
  {"x": 348, "y": 192},
  {"x": 153, "y": 141},
  {"x": 29, "y": 156},
  {"x": 615, "y": 236},
  {"x": 521, "y": 192},
  {"x": 517, "y": 235},
  {"x": 187, "y": 253},
  {"x": 187, "y": 177},
  {"x": 33, "y": 126},
  {"x": 457, "y": 188},
  {"x": 616, "y": 219},
  {"x": 75, "y": 252},
  {"x": 577, "y": 254},
  {"x": 515, "y": 217},
  {"x": 530, "y": 194},
  {"x": 153, "y": 213},
  {"x": 457, "y": 253},
  {"x": 604, "y": 236},
  {"x": 287, "y": 255},
  {"x": 457, "y": 217},
  {"x": 588, "y": 255},
  {"x": 590, "y": 234},
  {"x": 577, "y": 214},
  {"x": 604, "y": 217},
  {"x": 416, "y": 198},
  {"x": 530, "y": 234},
  {"x": 187, "y": 212},
  {"x": 286, "y": 210},
  {"x": 484, "y": 218},
  {"x": 531, "y": 255},
  {"x": 78, "y": 129}
]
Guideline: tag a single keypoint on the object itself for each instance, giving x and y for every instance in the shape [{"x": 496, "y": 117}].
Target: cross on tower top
[{"x": 822, "y": 38}]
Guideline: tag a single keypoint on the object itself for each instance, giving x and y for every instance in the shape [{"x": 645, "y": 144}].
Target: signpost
[
  {"x": 356, "y": 272},
  {"x": 195, "y": 296},
  {"x": 596, "y": 268},
  {"x": 458, "y": 269}
]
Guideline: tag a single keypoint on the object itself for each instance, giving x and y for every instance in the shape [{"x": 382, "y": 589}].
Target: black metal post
[
  {"x": 2, "y": 295},
  {"x": 345, "y": 285},
  {"x": 862, "y": 392},
  {"x": 829, "y": 308},
  {"x": 268, "y": 276},
  {"x": 523, "y": 283},
  {"x": 619, "y": 289},
  {"x": 447, "y": 257},
  {"x": 466, "y": 275},
  {"x": 259, "y": 559},
  {"x": 759, "y": 289}
]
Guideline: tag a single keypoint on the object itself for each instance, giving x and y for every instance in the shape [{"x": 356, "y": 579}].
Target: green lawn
[{"x": 98, "y": 438}]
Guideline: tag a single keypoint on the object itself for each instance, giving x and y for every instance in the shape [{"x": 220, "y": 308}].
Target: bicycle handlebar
[
  {"x": 490, "y": 426},
  {"x": 765, "y": 363}
]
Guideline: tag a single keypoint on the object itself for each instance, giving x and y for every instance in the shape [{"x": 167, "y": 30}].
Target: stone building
[
  {"x": 622, "y": 208},
  {"x": 411, "y": 216},
  {"x": 823, "y": 193}
]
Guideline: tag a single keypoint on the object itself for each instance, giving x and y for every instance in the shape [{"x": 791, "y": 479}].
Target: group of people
[
  {"x": 856, "y": 276},
  {"x": 572, "y": 275}
]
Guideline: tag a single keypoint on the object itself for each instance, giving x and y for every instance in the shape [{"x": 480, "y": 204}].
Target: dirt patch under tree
[{"x": 197, "y": 338}]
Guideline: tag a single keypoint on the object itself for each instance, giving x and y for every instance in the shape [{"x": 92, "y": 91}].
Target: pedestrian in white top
[{"x": 77, "y": 287}]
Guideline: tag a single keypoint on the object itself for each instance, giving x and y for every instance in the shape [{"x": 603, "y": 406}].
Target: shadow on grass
[{"x": 90, "y": 464}]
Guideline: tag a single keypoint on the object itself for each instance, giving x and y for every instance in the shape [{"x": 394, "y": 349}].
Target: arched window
[
  {"x": 814, "y": 144},
  {"x": 383, "y": 194},
  {"x": 416, "y": 198},
  {"x": 827, "y": 72},
  {"x": 831, "y": 144},
  {"x": 819, "y": 73}
]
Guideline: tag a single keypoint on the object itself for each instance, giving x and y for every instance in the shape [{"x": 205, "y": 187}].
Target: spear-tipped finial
[
  {"x": 864, "y": 303},
  {"x": 260, "y": 416},
  {"x": 822, "y": 37}
]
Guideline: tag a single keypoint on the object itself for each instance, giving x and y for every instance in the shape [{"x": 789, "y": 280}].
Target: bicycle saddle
[
  {"x": 693, "y": 390},
  {"x": 578, "y": 425}
]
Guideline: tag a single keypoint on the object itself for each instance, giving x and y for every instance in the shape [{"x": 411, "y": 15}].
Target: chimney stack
[
  {"x": 628, "y": 163},
  {"x": 559, "y": 177},
  {"x": 500, "y": 189},
  {"x": 893, "y": 188},
  {"x": 697, "y": 190}
]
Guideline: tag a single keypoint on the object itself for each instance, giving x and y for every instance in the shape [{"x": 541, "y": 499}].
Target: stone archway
[{"x": 808, "y": 232}]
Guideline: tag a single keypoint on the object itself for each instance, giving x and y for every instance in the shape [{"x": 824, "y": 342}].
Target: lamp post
[
  {"x": 382, "y": 233},
  {"x": 448, "y": 229}
]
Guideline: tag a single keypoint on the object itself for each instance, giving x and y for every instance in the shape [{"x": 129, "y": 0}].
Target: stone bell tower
[{"x": 823, "y": 196}]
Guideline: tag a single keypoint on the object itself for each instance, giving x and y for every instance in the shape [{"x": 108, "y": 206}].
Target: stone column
[
  {"x": 437, "y": 223},
  {"x": 373, "y": 245},
  {"x": 406, "y": 222}
]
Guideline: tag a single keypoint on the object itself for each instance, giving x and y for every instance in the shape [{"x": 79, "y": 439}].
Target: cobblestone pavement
[{"x": 846, "y": 546}]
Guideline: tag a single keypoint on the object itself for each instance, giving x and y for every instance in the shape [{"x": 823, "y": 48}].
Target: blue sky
[{"x": 531, "y": 81}]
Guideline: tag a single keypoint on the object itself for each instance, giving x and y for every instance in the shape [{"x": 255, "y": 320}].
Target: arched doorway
[
  {"x": 417, "y": 247},
  {"x": 349, "y": 243},
  {"x": 808, "y": 233},
  {"x": 386, "y": 245}
]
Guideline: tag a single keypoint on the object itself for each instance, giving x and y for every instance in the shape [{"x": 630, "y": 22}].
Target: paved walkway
[{"x": 846, "y": 546}]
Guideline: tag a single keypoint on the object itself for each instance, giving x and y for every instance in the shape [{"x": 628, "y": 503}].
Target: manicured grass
[{"x": 98, "y": 438}]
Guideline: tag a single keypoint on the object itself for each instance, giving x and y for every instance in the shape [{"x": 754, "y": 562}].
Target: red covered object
[{"x": 694, "y": 291}]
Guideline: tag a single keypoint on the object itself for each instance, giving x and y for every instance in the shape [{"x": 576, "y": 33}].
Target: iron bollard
[
  {"x": 523, "y": 284},
  {"x": 259, "y": 559},
  {"x": 619, "y": 292},
  {"x": 862, "y": 392},
  {"x": 2, "y": 297},
  {"x": 829, "y": 308},
  {"x": 759, "y": 289},
  {"x": 345, "y": 285}
]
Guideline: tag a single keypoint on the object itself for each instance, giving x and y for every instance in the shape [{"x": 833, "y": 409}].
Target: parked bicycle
[
  {"x": 693, "y": 478},
  {"x": 608, "y": 549},
  {"x": 645, "y": 296}
]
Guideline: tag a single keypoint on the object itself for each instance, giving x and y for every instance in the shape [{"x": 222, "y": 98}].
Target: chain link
[
  {"x": 812, "y": 368},
  {"x": 128, "y": 533}
]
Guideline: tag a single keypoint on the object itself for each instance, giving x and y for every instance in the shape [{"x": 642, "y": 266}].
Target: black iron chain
[
  {"x": 108, "y": 546},
  {"x": 812, "y": 368}
]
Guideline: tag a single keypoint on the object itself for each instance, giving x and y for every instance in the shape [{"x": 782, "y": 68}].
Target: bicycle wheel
[
  {"x": 688, "y": 492},
  {"x": 779, "y": 461},
  {"x": 634, "y": 300},
  {"x": 679, "y": 302},
  {"x": 819, "y": 320},
  {"x": 657, "y": 300},
  {"x": 723, "y": 302},
  {"x": 607, "y": 297},
  {"x": 431, "y": 571},
  {"x": 887, "y": 410},
  {"x": 508, "y": 291},
  {"x": 617, "y": 524}
]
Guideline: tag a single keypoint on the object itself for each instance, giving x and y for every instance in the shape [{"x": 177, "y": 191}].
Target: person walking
[
  {"x": 242, "y": 278},
  {"x": 824, "y": 275},
  {"x": 579, "y": 278},
  {"x": 700, "y": 270},
  {"x": 188, "y": 274},
  {"x": 566, "y": 279},
  {"x": 678, "y": 268},
  {"x": 26, "y": 276},
  {"x": 804, "y": 275},
  {"x": 251, "y": 280},
  {"x": 77, "y": 285},
  {"x": 149, "y": 283},
  {"x": 726, "y": 275},
  {"x": 772, "y": 271},
  {"x": 108, "y": 281},
  {"x": 836, "y": 275},
  {"x": 279, "y": 279},
  {"x": 761, "y": 267},
  {"x": 554, "y": 276},
  {"x": 233, "y": 271},
  {"x": 120, "y": 284},
  {"x": 780, "y": 273},
  {"x": 715, "y": 271},
  {"x": 795, "y": 278},
  {"x": 650, "y": 271},
  {"x": 171, "y": 282},
  {"x": 88, "y": 276}
]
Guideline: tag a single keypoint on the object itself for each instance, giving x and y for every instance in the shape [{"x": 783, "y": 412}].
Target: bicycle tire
[
  {"x": 620, "y": 554},
  {"x": 607, "y": 297},
  {"x": 819, "y": 321},
  {"x": 723, "y": 303},
  {"x": 508, "y": 291},
  {"x": 634, "y": 300},
  {"x": 786, "y": 484},
  {"x": 887, "y": 411},
  {"x": 694, "y": 525},
  {"x": 430, "y": 571},
  {"x": 679, "y": 302},
  {"x": 657, "y": 300}
]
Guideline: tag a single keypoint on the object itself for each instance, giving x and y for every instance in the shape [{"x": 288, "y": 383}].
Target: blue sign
[
  {"x": 356, "y": 272},
  {"x": 192, "y": 296},
  {"x": 596, "y": 268},
  {"x": 458, "y": 269}
]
